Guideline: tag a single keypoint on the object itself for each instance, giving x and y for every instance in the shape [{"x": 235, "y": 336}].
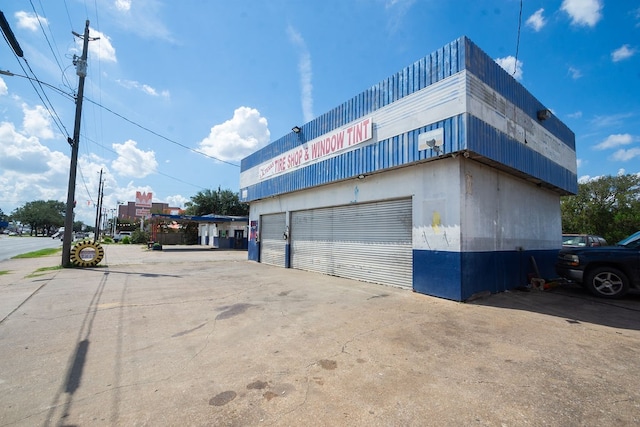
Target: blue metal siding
[
  {"x": 389, "y": 153},
  {"x": 487, "y": 141},
  {"x": 484, "y": 67},
  {"x": 441, "y": 64},
  {"x": 402, "y": 149}
]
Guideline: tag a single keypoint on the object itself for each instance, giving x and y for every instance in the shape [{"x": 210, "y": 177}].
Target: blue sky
[{"x": 170, "y": 80}]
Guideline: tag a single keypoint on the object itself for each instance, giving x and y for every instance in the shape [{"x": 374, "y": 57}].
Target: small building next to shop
[
  {"x": 444, "y": 178},
  {"x": 216, "y": 231}
]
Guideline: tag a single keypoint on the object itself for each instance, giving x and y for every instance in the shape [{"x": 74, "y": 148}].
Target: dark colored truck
[{"x": 606, "y": 271}]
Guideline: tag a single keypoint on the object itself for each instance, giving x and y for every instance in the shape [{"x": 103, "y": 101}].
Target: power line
[
  {"x": 54, "y": 114},
  {"x": 515, "y": 66},
  {"x": 155, "y": 171},
  {"x": 64, "y": 77},
  {"x": 161, "y": 136}
]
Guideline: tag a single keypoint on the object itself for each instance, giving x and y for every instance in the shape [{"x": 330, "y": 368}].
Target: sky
[{"x": 178, "y": 92}]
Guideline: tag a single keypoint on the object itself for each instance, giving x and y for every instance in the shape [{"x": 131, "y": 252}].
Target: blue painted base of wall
[{"x": 459, "y": 275}]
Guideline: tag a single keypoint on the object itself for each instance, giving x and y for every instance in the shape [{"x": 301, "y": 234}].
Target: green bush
[
  {"x": 139, "y": 237},
  {"x": 125, "y": 240}
]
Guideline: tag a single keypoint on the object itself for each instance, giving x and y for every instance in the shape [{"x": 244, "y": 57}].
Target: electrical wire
[
  {"x": 52, "y": 112},
  {"x": 64, "y": 77},
  {"x": 159, "y": 135},
  {"x": 155, "y": 171},
  {"x": 49, "y": 107},
  {"x": 515, "y": 65}
]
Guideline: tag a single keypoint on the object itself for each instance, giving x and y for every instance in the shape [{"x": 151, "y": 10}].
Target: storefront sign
[{"x": 318, "y": 149}]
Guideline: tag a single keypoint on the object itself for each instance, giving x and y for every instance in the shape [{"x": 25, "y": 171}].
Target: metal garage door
[
  {"x": 272, "y": 244},
  {"x": 370, "y": 242}
]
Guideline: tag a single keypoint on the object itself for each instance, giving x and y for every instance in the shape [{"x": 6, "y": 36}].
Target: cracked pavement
[{"x": 205, "y": 337}]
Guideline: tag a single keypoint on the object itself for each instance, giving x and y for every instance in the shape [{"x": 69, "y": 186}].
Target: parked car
[
  {"x": 581, "y": 240},
  {"x": 121, "y": 235},
  {"x": 606, "y": 271}
]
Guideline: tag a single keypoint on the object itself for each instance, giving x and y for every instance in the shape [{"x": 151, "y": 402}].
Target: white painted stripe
[
  {"x": 434, "y": 103},
  {"x": 494, "y": 109}
]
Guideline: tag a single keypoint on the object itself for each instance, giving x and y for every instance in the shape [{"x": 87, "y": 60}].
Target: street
[{"x": 11, "y": 246}]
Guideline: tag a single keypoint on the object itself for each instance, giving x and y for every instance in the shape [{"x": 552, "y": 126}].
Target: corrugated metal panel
[
  {"x": 272, "y": 243},
  {"x": 364, "y": 160},
  {"x": 369, "y": 242},
  {"x": 497, "y": 146},
  {"x": 485, "y": 67},
  {"x": 401, "y": 149},
  {"x": 443, "y": 63}
]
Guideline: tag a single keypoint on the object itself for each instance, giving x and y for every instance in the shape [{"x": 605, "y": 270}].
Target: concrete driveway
[{"x": 207, "y": 338}]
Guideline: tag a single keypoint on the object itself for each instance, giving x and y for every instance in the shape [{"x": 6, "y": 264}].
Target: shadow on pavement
[{"x": 572, "y": 303}]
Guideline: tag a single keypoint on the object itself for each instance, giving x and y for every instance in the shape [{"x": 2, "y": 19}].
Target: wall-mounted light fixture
[
  {"x": 544, "y": 114},
  {"x": 296, "y": 129},
  {"x": 360, "y": 176}
]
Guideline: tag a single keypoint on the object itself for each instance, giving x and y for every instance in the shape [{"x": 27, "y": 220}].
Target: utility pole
[
  {"x": 96, "y": 231},
  {"x": 81, "y": 71}
]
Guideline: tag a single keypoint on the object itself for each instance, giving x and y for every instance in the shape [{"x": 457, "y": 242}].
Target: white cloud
[
  {"x": 101, "y": 49},
  {"x": 29, "y": 170},
  {"x": 149, "y": 90},
  {"x": 575, "y": 73},
  {"x": 615, "y": 140},
  {"x": 510, "y": 64},
  {"x": 588, "y": 178},
  {"x": 626, "y": 155},
  {"x": 177, "y": 201},
  {"x": 610, "y": 120},
  {"x": 623, "y": 52},
  {"x": 144, "y": 18},
  {"x": 4, "y": 90},
  {"x": 29, "y": 21},
  {"x": 396, "y": 10},
  {"x": 537, "y": 21},
  {"x": 583, "y": 12},
  {"x": 123, "y": 5},
  {"x": 235, "y": 139},
  {"x": 304, "y": 68},
  {"x": 37, "y": 122},
  {"x": 621, "y": 172},
  {"x": 576, "y": 115},
  {"x": 132, "y": 161}
]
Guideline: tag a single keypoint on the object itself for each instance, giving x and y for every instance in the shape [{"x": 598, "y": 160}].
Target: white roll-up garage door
[
  {"x": 369, "y": 242},
  {"x": 272, "y": 243}
]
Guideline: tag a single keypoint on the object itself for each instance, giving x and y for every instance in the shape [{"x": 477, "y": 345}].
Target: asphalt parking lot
[{"x": 205, "y": 337}]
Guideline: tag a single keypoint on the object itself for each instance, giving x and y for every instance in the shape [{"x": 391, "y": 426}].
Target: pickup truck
[
  {"x": 121, "y": 235},
  {"x": 606, "y": 271}
]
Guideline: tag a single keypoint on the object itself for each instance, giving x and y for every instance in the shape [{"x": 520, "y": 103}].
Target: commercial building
[
  {"x": 444, "y": 178},
  {"x": 130, "y": 210}
]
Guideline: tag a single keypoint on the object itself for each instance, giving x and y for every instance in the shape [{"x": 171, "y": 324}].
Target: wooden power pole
[{"x": 81, "y": 71}]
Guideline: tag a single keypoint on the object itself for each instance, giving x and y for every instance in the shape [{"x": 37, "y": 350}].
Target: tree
[
  {"x": 608, "y": 206},
  {"x": 41, "y": 215},
  {"x": 220, "y": 202},
  {"x": 3, "y": 217}
]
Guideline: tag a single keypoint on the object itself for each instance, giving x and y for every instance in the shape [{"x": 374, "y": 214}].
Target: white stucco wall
[
  {"x": 497, "y": 211},
  {"x": 501, "y": 212}
]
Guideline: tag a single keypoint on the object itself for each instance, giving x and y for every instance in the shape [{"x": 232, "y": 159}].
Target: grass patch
[
  {"x": 38, "y": 253},
  {"x": 3, "y": 272},
  {"x": 42, "y": 270}
]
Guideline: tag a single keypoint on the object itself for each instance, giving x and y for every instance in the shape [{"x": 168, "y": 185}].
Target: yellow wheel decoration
[{"x": 87, "y": 254}]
